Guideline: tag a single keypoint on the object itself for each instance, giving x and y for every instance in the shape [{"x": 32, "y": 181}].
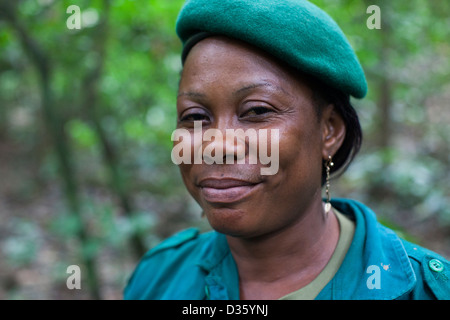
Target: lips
[{"x": 226, "y": 190}]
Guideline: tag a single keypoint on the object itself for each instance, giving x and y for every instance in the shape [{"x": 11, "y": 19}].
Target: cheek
[
  {"x": 185, "y": 170},
  {"x": 300, "y": 169},
  {"x": 300, "y": 149},
  {"x": 297, "y": 183}
]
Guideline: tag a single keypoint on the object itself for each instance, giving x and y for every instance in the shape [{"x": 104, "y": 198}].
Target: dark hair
[{"x": 324, "y": 95}]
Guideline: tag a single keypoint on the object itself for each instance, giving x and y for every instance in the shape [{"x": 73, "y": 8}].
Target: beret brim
[{"x": 294, "y": 31}]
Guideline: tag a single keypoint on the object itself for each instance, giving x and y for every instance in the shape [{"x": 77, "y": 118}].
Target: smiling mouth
[{"x": 226, "y": 190}]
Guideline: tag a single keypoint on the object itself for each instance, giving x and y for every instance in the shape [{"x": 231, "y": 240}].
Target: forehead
[{"x": 223, "y": 61}]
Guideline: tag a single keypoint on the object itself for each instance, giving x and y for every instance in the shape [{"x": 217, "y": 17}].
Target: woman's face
[{"x": 226, "y": 84}]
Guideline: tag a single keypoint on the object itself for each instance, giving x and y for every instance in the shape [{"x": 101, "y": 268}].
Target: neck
[{"x": 275, "y": 264}]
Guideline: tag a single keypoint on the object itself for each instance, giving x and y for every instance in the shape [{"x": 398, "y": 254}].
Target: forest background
[{"x": 86, "y": 116}]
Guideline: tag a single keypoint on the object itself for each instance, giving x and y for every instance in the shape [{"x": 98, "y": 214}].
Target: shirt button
[{"x": 436, "y": 265}]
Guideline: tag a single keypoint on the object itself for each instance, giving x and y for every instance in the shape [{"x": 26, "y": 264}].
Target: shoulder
[
  {"x": 174, "y": 260},
  {"x": 432, "y": 272},
  {"x": 419, "y": 273}
]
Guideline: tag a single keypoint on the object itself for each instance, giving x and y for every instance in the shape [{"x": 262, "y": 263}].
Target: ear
[{"x": 333, "y": 131}]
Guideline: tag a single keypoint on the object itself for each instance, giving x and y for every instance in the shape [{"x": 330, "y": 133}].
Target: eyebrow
[
  {"x": 238, "y": 91},
  {"x": 264, "y": 83},
  {"x": 191, "y": 94},
  {"x": 256, "y": 85}
]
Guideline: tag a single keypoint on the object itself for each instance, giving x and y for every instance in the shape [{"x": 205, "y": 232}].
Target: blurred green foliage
[{"x": 111, "y": 90}]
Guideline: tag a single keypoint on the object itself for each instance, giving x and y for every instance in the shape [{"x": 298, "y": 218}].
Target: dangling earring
[{"x": 328, "y": 165}]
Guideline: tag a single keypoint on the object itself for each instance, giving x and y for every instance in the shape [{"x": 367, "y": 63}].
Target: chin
[{"x": 229, "y": 221}]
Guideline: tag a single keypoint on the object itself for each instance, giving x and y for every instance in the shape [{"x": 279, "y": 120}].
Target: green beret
[{"x": 295, "y": 31}]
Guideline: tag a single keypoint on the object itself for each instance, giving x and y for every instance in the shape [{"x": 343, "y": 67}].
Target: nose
[{"x": 224, "y": 146}]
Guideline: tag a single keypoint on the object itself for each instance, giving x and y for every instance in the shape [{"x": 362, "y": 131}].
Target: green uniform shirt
[
  {"x": 312, "y": 289},
  {"x": 378, "y": 265}
]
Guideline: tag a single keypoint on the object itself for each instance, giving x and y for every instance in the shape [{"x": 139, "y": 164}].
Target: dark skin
[{"x": 276, "y": 227}]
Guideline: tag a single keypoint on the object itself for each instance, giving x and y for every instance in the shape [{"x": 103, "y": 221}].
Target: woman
[{"x": 282, "y": 66}]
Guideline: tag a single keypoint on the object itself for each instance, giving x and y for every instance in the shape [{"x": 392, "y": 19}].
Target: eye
[
  {"x": 194, "y": 117},
  {"x": 256, "y": 111},
  {"x": 188, "y": 116}
]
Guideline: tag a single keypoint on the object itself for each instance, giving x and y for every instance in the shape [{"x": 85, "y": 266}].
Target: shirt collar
[
  {"x": 376, "y": 265},
  {"x": 222, "y": 278}
]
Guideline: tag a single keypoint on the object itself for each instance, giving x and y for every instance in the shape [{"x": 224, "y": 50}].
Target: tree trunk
[{"x": 109, "y": 150}]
